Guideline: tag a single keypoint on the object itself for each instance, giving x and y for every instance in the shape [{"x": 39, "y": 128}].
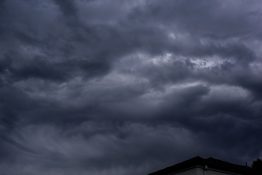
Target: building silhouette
[{"x": 210, "y": 166}]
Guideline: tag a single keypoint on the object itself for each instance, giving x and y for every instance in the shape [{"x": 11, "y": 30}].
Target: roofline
[{"x": 208, "y": 163}]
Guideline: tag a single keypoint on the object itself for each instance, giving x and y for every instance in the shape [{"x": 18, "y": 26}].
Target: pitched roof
[{"x": 209, "y": 163}]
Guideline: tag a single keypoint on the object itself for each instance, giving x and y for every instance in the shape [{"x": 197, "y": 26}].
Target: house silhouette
[{"x": 210, "y": 166}]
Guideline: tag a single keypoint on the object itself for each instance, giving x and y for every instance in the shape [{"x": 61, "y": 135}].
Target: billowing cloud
[{"x": 127, "y": 87}]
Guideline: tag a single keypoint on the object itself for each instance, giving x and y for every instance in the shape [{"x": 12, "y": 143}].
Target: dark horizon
[{"x": 119, "y": 87}]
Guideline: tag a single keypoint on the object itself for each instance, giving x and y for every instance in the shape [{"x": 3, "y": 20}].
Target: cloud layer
[{"x": 126, "y": 87}]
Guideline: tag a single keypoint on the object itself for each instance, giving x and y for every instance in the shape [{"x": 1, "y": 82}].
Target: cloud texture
[{"x": 119, "y": 87}]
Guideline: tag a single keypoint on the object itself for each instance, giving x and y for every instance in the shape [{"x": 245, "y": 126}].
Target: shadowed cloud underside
[{"x": 118, "y": 87}]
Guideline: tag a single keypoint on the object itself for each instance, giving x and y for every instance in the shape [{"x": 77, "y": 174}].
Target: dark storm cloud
[{"x": 127, "y": 87}]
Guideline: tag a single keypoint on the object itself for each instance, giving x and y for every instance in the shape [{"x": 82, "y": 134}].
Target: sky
[{"x": 126, "y": 87}]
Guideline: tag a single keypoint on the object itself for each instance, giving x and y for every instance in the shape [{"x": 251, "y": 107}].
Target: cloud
[{"x": 121, "y": 87}]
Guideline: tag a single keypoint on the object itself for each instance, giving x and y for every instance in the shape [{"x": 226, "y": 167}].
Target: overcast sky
[{"x": 125, "y": 87}]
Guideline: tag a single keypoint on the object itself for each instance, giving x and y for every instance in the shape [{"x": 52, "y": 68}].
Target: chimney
[{"x": 257, "y": 165}]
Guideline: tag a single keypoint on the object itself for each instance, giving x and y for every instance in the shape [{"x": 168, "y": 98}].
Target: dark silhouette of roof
[
  {"x": 209, "y": 163},
  {"x": 257, "y": 167}
]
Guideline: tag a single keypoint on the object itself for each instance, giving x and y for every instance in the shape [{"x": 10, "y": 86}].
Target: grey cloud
[{"x": 121, "y": 87}]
